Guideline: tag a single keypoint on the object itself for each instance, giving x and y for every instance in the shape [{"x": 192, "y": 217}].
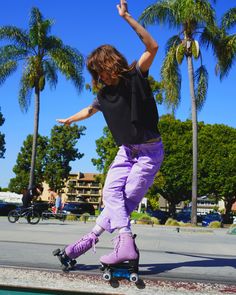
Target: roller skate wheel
[
  {"x": 56, "y": 252},
  {"x": 107, "y": 276},
  {"x": 102, "y": 267},
  {"x": 133, "y": 277}
]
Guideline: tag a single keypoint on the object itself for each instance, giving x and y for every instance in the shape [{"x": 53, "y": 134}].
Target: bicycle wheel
[
  {"x": 13, "y": 216},
  {"x": 33, "y": 217}
]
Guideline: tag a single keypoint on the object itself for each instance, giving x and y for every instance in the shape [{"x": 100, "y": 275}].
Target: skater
[{"x": 128, "y": 106}]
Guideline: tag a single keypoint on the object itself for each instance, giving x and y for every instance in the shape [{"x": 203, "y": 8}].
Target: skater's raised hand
[{"x": 122, "y": 8}]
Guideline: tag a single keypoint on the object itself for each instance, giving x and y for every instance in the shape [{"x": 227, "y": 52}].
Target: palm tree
[
  {"x": 189, "y": 17},
  {"x": 42, "y": 56},
  {"x": 223, "y": 43}
]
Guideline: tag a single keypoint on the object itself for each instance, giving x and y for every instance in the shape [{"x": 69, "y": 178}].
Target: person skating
[{"x": 130, "y": 111}]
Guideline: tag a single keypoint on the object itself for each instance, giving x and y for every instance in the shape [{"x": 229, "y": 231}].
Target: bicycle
[
  {"x": 50, "y": 213},
  {"x": 32, "y": 216}
]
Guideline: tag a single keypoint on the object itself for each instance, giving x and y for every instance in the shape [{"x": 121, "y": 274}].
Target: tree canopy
[
  {"x": 53, "y": 160},
  {"x": 22, "y": 166},
  {"x": 42, "y": 56},
  {"x": 61, "y": 151}
]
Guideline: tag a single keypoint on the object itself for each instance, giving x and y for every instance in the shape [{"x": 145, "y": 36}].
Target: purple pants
[{"x": 129, "y": 177}]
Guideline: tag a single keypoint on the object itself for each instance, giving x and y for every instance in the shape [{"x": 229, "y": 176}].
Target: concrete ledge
[{"x": 93, "y": 284}]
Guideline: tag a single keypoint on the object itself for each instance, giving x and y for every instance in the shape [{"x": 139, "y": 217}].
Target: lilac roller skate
[{"x": 123, "y": 261}]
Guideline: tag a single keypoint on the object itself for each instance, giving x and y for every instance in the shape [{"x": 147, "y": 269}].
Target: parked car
[
  {"x": 162, "y": 216},
  {"x": 210, "y": 217},
  {"x": 6, "y": 207},
  {"x": 78, "y": 208},
  {"x": 185, "y": 215}
]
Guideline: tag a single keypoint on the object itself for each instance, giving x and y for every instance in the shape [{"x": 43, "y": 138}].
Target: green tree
[
  {"x": 2, "y": 137},
  {"x": 218, "y": 163},
  {"x": 43, "y": 55},
  {"x": 23, "y": 162},
  {"x": 61, "y": 151},
  {"x": 176, "y": 167},
  {"x": 189, "y": 17},
  {"x": 106, "y": 150},
  {"x": 223, "y": 42}
]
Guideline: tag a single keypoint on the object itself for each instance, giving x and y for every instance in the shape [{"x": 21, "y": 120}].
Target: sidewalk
[{"x": 191, "y": 261}]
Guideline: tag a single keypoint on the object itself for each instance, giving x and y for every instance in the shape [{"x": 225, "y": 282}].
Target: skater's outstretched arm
[
  {"x": 81, "y": 115},
  {"x": 151, "y": 45}
]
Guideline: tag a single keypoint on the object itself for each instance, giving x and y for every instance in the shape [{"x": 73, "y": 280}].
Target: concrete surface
[{"x": 192, "y": 261}]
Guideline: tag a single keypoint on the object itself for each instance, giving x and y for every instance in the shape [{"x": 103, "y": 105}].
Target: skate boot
[
  {"x": 68, "y": 255},
  {"x": 125, "y": 250},
  {"x": 66, "y": 262},
  {"x": 81, "y": 246}
]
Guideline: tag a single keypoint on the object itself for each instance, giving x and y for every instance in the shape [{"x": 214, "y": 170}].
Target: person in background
[
  {"x": 30, "y": 195},
  {"x": 55, "y": 198}
]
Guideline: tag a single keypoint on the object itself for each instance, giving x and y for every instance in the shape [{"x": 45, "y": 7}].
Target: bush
[
  {"x": 155, "y": 220},
  {"x": 215, "y": 224},
  {"x": 145, "y": 219},
  {"x": 136, "y": 215},
  {"x": 172, "y": 222},
  {"x": 84, "y": 217},
  {"x": 71, "y": 217}
]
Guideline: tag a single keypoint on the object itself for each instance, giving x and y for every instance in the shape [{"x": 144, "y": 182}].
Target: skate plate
[
  {"x": 64, "y": 266},
  {"x": 126, "y": 270}
]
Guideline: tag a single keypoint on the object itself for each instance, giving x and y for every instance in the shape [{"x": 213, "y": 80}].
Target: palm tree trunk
[
  {"x": 35, "y": 137},
  {"x": 195, "y": 142}
]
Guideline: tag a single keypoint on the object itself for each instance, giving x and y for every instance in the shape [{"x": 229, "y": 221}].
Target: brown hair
[{"x": 107, "y": 58}]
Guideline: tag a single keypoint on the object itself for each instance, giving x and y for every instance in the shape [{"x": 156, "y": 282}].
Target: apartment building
[{"x": 84, "y": 187}]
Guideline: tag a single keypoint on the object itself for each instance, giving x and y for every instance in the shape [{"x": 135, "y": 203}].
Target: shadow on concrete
[{"x": 208, "y": 261}]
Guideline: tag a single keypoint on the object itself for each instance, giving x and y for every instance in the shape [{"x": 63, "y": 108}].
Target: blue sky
[{"x": 86, "y": 25}]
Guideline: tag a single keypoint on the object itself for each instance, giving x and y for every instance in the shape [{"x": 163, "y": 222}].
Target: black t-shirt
[{"x": 129, "y": 109}]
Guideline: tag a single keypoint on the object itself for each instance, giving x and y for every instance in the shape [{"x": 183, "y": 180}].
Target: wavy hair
[{"x": 108, "y": 59}]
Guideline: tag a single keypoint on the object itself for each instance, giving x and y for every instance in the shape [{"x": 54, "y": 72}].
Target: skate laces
[
  {"x": 116, "y": 242},
  {"x": 87, "y": 242}
]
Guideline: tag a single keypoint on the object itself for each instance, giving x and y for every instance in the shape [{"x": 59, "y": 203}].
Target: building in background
[
  {"x": 80, "y": 187},
  {"x": 84, "y": 187}
]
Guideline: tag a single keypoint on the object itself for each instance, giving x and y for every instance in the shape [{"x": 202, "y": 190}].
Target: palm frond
[
  {"x": 6, "y": 69},
  {"x": 160, "y": 12},
  {"x": 226, "y": 54},
  {"x": 52, "y": 42},
  {"x": 50, "y": 72},
  {"x": 39, "y": 28},
  {"x": 201, "y": 12},
  {"x": 15, "y": 35},
  {"x": 12, "y": 52},
  {"x": 211, "y": 36},
  {"x": 75, "y": 56},
  {"x": 70, "y": 62},
  {"x": 229, "y": 19},
  {"x": 173, "y": 41},
  {"x": 171, "y": 78},
  {"x": 25, "y": 91},
  {"x": 201, "y": 82}
]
